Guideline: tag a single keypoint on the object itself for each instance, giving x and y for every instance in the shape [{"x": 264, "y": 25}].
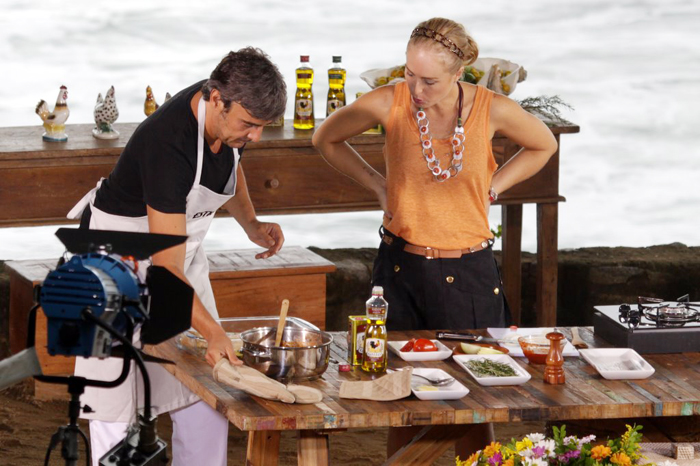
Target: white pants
[{"x": 200, "y": 436}]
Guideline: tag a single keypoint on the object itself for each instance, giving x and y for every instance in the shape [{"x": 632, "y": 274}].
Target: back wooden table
[
  {"x": 40, "y": 182},
  {"x": 673, "y": 390}
]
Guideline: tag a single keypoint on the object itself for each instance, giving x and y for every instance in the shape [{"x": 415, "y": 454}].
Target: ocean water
[{"x": 630, "y": 69}]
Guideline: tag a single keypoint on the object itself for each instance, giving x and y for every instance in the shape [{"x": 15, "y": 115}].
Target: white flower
[
  {"x": 549, "y": 446},
  {"x": 534, "y": 438},
  {"x": 535, "y": 462},
  {"x": 568, "y": 439},
  {"x": 587, "y": 439}
]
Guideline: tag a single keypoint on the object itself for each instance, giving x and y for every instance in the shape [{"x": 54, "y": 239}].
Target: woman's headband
[{"x": 437, "y": 37}]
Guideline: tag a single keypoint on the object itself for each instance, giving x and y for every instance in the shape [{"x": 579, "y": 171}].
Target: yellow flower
[
  {"x": 524, "y": 445},
  {"x": 621, "y": 458},
  {"x": 492, "y": 449},
  {"x": 509, "y": 462},
  {"x": 472, "y": 459},
  {"x": 600, "y": 452},
  {"x": 507, "y": 452}
]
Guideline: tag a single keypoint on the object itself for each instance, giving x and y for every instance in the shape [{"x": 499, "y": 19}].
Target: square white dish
[
  {"x": 618, "y": 363},
  {"x": 443, "y": 352},
  {"x": 509, "y": 339},
  {"x": 522, "y": 377},
  {"x": 453, "y": 391}
]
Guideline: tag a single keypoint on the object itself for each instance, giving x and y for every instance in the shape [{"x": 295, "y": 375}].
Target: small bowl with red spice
[{"x": 536, "y": 347}]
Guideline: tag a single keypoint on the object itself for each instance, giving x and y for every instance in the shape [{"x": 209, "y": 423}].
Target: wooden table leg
[
  {"x": 512, "y": 220},
  {"x": 312, "y": 448},
  {"x": 547, "y": 264},
  {"x": 263, "y": 448},
  {"x": 428, "y": 445}
]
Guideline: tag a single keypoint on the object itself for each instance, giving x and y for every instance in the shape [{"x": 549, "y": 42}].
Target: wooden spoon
[{"x": 280, "y": 324}]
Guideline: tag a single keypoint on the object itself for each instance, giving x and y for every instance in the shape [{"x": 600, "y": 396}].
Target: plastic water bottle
[{"x": 374, "y": 355}]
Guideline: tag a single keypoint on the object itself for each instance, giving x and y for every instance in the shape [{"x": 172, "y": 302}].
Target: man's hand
[
  {"x": 266, "y": 235},
  {"x": 219, "y": 346}
]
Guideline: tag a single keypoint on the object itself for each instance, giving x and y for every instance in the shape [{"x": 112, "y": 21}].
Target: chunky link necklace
[{"x": 457, "y": 142}]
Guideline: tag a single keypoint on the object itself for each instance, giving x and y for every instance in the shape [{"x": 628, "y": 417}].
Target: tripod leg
[{"x": 56, "y": 438}]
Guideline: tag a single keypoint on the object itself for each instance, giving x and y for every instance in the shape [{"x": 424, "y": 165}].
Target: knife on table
[{"x": 466, "y": 337}]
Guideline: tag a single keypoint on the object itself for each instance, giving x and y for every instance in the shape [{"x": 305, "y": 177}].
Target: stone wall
[{"x": 587, "y": 277}]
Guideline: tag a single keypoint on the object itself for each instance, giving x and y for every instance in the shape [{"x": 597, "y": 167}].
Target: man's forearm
[{"x": 240, "y": 206}]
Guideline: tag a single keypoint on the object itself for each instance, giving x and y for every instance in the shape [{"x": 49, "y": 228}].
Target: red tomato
[
  {"x": 409, "y": 345},
  {"x": 423, "y": 344}
]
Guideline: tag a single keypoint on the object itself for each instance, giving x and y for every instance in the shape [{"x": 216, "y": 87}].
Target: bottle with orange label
[
  {"x": 374, "y": 355},
  {"x": 304, "y": 98}
]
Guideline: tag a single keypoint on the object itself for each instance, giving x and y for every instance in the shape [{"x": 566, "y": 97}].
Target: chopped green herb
[{"x": 490, "y": 368}]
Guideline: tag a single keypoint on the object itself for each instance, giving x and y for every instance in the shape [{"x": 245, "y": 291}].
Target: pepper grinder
[{"x": 554, "y": 372}]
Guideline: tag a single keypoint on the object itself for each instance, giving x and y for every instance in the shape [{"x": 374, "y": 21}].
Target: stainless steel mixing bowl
[{"x": 307, "y": 360}]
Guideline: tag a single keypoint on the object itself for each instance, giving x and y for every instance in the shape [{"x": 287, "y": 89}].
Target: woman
[{"x": 435, "y": 260}]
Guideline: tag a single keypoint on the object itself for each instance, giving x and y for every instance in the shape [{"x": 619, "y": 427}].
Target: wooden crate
[{"x": 243, "y": 286}]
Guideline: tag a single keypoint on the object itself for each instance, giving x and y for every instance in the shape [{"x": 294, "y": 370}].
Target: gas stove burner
[
  {"x": 630, "y": 316},
  {"x": 660, "y": 312}
]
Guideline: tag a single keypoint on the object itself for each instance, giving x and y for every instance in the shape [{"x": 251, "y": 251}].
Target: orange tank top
[{"x": 426, "y": 212}]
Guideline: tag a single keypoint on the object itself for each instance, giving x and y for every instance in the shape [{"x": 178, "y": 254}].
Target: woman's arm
[
  {"x": 330, "y": 138},
  {"x": 537, "y": 141}
]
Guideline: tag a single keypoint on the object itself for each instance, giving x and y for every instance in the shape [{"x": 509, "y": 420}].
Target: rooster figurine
[
  {"x": 106, "y": 113},
  {"x": 55, "y": 122},
  {"x": 150, "y": 105}
]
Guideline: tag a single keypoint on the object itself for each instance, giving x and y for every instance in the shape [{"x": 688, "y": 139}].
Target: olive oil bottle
[
  {"x": 336, "y": 86},
  {"x": 374, "y": 355},
  {"x": 304, "y": 98}
]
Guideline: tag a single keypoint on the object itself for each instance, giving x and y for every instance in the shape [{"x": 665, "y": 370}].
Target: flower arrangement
[{"x": 537, "y": 450}]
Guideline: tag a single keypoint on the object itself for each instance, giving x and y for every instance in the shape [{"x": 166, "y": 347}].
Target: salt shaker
[{"x": 554, "y": 372}]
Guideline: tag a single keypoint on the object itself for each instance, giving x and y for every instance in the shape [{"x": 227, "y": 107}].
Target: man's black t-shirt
[{"x": 159, "y": 163}]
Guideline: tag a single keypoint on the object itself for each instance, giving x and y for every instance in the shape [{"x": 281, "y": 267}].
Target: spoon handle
[{"x": 280, "y": 324}]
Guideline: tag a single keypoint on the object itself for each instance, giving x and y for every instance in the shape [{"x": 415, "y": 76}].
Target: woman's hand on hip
[
  {"x": 267, "y": 235},
  {"x": 220, "y": 346}
]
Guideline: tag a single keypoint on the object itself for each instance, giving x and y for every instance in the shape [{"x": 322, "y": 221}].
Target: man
[{"x": 179, "y": 167}]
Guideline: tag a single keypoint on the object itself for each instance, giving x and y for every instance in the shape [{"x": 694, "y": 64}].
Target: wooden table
[
  {"x": 673, "y": 390},
  {"x": 41, "y": 181}
]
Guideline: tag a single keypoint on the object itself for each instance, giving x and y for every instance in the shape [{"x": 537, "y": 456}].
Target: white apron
[{"x": 167, "y": 393}]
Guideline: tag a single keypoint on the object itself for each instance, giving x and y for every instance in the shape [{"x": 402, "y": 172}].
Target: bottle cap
[
  {"x": 344, "y": 368},
  {"x": 337, "y": 58},
  {"x": 378, "y": 290},
  {"x": 304, "y": 58}
]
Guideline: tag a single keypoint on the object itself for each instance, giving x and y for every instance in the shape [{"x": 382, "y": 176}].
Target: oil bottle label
[
  {"x": 374, "y": 349},
  {"x": 304, "y": 75},
  {"x": 304, "y": 108},
  {"x": 333, "y": 105},
  {"x": 360, "y": 342},
  {"x": 335, "y": 76},
  {"x": 375, "y": 311}
]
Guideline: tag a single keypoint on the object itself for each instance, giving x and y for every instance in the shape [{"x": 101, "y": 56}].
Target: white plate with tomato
[{"x": 420, "y": 349}]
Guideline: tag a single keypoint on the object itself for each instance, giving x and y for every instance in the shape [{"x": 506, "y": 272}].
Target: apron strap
[{"x": 201, "y": 118}]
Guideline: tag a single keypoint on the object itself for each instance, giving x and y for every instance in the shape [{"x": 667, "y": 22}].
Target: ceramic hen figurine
[
  {"x": 106, "y": 113},
  {"x": 55, "y": 121},
  {"x": 150, "y": 105}
]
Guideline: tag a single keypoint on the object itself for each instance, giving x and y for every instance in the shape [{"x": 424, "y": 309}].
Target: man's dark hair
[{"x": 249, "y": 78}]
